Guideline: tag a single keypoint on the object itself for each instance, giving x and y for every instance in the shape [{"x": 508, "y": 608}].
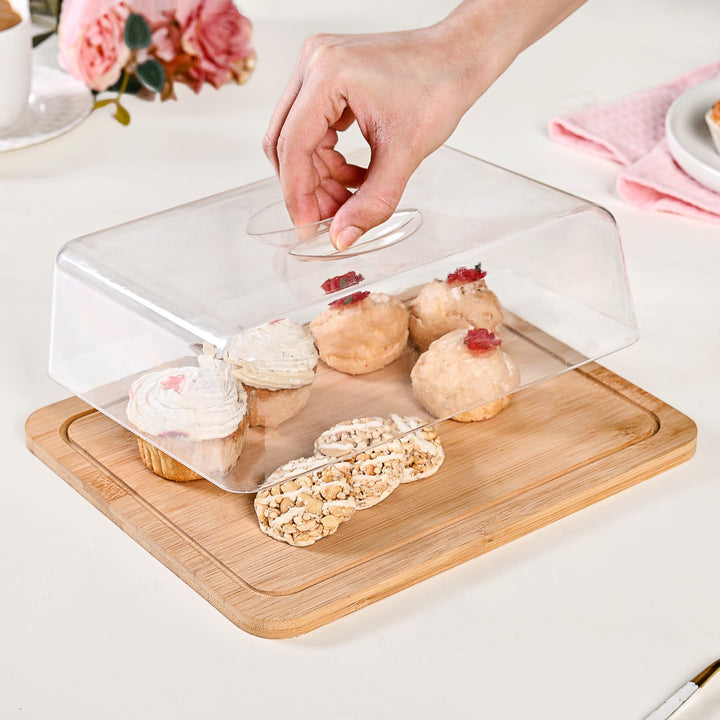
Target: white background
[{"x": 599, "y": 616}]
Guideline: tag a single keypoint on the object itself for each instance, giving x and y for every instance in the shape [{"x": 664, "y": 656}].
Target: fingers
[
  {"x": 306, "y": 155},
  {"x": 350, "y": 176},
  {"x": 376, "y": 199},
  {"x": 345, "y": 121},
  {"x": 300, "y": 136},
  {"x": 270, "y": 141},
  {"x": 327, "y": 94}
]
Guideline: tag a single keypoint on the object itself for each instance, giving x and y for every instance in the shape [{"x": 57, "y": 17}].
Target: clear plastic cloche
[{"x": 162, "y": 291}]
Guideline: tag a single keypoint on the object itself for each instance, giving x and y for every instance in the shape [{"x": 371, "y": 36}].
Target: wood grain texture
[{"x": 560, "y": 446}]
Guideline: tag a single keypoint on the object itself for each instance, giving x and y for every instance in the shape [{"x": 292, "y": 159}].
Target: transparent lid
[{"x": 160, "y": 291}]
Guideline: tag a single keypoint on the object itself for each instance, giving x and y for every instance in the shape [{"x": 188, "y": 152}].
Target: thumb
[{"x": 375, "y": 200}]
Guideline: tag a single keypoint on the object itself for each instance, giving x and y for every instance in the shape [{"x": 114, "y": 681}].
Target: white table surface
[{"x": 598, "y": 616}]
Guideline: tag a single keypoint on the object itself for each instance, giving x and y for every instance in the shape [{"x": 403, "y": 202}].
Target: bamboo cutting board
[{"x": 561, "y": 445}]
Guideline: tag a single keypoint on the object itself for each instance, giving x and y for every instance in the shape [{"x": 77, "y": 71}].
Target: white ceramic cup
[{"x": 15, "y": 66}]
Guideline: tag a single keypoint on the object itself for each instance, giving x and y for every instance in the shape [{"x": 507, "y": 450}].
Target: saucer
[
  {"x": 688, "y": 135},
  {"x": 58, "y": 102}
]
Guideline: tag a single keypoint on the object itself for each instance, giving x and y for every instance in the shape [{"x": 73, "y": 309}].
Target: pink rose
[
  {"x": 154, "y": 10},
  {"x": 91, "y": 43},
  {"x": 166, "y": 41},
  {"x": 217, "y": 38}
]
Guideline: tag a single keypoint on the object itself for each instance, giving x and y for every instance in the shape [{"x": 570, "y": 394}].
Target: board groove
[{"x": 561, "y": 446}]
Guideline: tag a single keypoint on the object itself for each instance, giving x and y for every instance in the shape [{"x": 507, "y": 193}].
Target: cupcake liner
[
  {"x": 270, "y": 408},
  {"x": 216, "y": 457}
]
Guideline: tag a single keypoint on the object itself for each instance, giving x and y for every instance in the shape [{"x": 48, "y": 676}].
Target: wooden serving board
[{"x": 561, "y": 445}]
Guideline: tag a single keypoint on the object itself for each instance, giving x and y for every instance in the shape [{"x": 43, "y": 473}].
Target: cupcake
[
  {"x": 197, "y": 413},
  {"x": 361, "y": 332},
  {"x": 275, "y": 363},
  {"x": 468, "y": 371},
  {"x": 712, "y": 118},
  {"x": 461, "y": 301}
]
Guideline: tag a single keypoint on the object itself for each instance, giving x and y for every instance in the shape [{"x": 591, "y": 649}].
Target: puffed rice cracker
[{"x": 308, "y": 507}]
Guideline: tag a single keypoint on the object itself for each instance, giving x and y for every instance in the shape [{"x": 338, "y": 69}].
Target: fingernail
[{"x": 347, "y": 237}]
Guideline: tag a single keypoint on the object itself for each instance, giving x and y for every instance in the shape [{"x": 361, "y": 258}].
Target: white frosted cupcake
[
  {"x": 275, "y": 363},
  {"x": 198, "y": 413}
]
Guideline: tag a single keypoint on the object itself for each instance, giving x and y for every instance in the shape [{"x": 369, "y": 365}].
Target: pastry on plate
[
  {"x": 461, "y": 301},
  {"x": 377, "y": 464},
  {"x": 465, "y": 375},
  {"x": 309, "y": 505},
  {"x": 361, "y": 332},
  {"x": 275, "y": 363},
  {"x": 197, "y": 413},
  {"x": 712, "y": 118}
]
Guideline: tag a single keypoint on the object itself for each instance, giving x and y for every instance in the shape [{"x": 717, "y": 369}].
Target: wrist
[
  {"x": 485, "y": 36},
  {"x": 481, "y": 40}
]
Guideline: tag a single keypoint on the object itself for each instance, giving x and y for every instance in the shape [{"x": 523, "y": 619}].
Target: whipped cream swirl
[
  {"x": 275, "y": 356},
  {"x": 196, "y": 403}
]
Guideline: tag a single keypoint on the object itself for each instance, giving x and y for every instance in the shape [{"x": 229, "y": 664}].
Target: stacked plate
[{"x": 689, "y": 138}]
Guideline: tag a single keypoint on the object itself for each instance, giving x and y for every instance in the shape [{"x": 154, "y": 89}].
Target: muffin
[
  {"x": 305, "y": 504},
  {"x": 275, "y": 364},
  {"x": 712, "y": 118},
  {"x": 461, "y": 301},
  {"x": 197, "y": 413},
  {"x": 465, "y": 370},
  {"x": 362, "y": 332}
]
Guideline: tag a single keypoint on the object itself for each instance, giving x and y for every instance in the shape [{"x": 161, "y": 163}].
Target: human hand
[{"x": 405, "y": 90}]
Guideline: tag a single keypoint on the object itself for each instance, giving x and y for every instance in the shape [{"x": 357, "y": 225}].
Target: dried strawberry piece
[
  {"x": 350, "y": 299},
  {"x": 480, "y": 340},
  {"x": 340, "y": 282},
  {"x": 172, "y": 382},
  {"x": 466, "y": 275}
]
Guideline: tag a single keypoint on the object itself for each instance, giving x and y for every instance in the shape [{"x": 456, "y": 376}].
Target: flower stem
[
  {"x": 124, "y": 84},
  {"x": 121, "y": 114}
]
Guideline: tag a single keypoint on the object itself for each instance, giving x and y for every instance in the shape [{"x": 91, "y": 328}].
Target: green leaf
[
  {"x": 132, "y": 85},
  {"x": 122, "y": 115},
  {"x": 103, "y": 103},
  {"x": 151, "y": 74},
  {"x": 137, "y": 33}
]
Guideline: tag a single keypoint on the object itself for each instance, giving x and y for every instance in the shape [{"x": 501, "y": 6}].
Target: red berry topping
[
  {"x": 466, "y": 275},
  {"x": 480, "y": 340},
  {"x": 340, "y": 282},
  {"x": 350, "y": 299},
  {"x": 172, "y": 382}
]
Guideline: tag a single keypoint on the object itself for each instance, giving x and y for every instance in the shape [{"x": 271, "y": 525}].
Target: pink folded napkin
[{"x": 631, "y": 131}]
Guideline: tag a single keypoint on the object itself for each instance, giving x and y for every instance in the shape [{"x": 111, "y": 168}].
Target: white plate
[
  {"x": 688, "y": 135},
  {"x": 57, "y": 104}
]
